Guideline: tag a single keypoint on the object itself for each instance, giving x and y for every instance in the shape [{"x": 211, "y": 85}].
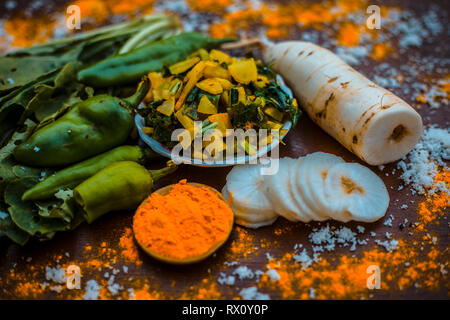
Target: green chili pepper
[
  {"x": 91, "y": 127},
  {"x": 72, "y": 176},
  {"x": 122, "y": 185},
  {"x": 131, "y": 66}
]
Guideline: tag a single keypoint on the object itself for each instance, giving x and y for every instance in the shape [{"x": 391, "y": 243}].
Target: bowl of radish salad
[{"x": 211, "y": 96}]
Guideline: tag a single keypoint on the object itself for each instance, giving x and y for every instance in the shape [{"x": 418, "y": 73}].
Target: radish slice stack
[
  {"x": 317, "y": 187},
  {"x": 244, "y": 192}
]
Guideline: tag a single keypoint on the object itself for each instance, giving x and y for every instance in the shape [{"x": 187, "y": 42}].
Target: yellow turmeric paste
[{"x": 187, "y": 222}]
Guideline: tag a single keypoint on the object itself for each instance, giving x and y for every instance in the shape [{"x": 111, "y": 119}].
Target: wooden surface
[{"x": 173, "y": 281}]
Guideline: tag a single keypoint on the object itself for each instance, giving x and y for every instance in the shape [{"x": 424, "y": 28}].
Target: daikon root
[{"x": 368, "y": 120}]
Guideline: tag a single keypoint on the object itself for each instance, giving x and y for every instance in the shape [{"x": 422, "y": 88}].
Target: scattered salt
[
  {"x": 303, "y": 258},
  {"x": 312, "y": 294},
  {"x": 225, "y": 279},
  {"x": 92, "y": 290},
  {"x": 252, "y": 293},
  {"x": 55, "y": 274},
  {"x": 243, "y": 272},
  {"x": 114, "y": 288},
  {"x": 389, "y": 220},
  {"x": 419, "y": 167},
  {"x": 388, "y": 245},
  {"x": 273, "y": 275},
  {"x": 57, "y": 288}
]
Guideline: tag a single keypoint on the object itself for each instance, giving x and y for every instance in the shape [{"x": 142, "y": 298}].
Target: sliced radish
[
  {"x": 310, "y": 173},
  {"x": 245, "y": 217},
  {"x": 356, "y": 193},
  {"x": 305, "y": 213},
  {"x": 246, "y": 186},
  {"x": 278, "y": 191}
]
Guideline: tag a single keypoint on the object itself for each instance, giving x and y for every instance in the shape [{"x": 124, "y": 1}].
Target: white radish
[
  {"x": 278, "y": 190},
  {"x": 246, "y": 187},
  {"x": 296, "y": 182},
  {"x": 317, "y": 187},
  {"x": 319, "y": 164},
  {"x": 246, "y": 218},
  {"x": 312, "y": 168},
  {"x": 368, "y": 120},
  {"x": 255, "y": 225},
  {"x": 356, "y": 192}
]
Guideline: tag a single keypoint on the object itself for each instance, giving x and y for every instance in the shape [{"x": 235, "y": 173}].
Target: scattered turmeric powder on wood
[{"x": 129, "y": 248}]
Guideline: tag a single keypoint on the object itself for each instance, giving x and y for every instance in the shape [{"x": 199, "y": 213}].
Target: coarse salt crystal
[
  {"x": 252, "y": 293},
  {"x": 92, "y": 290},
  {"x": 273, "y": 275},
  {"x": 243, "y": 272}
]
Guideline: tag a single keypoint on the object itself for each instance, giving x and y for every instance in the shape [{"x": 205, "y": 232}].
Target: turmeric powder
[
  {"x": 187, "y": 222},
  {"x": 129, "y": 249}
]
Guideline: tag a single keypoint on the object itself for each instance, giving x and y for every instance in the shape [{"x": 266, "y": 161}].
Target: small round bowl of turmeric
[{"x": 183, "y": 223}]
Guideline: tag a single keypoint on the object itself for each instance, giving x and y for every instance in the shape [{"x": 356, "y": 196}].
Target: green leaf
[
  {"x": 6, "y": 175},
  {"x": 242, "y": 114},
  {"x": 20, "y": 135},
  {"x": 22, "y": 172},
  {"x": 10, "y": 230},
  {"x": 63, "y": 206},
  {"x": 51, "y": 209},
  {"x": 17, "y": 72},
  {"x": 7, "y": 129},
  {"x": 49, "y": 99},
  {"x": 25, "y": 214},
  {"x": 214, "y": 98},
  {"x": 16, "y": 101},
  {"x": 47, "y": 114}
]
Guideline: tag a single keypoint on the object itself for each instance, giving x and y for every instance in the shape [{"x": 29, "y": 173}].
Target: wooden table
[{"x": 170, "y": 282}]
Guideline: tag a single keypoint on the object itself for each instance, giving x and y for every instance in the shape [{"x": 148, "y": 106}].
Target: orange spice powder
[
  {"x": 186, "y": 222},
  {"x": 434, "y": 205},
  {"x": 349, "y": 35},
  {"x": 209, "y": 5},
  {"x": 380, "y": 51},
  {"x": 129, "y": 248},
  {"x": 146, "y": 294},
  {"x": 345, "y": 276},
  {"x": 28, "y": 31}
]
